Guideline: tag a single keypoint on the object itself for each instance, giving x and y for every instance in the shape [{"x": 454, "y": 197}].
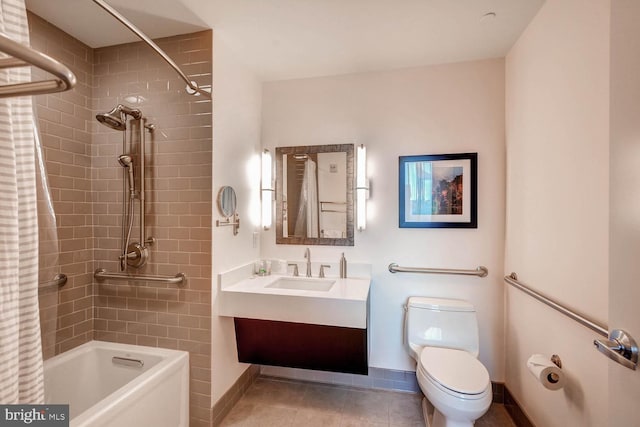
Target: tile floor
[{"x": 273, "y": 402}]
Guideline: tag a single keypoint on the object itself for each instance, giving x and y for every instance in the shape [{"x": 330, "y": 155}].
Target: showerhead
[
  {"x": 113, "y": 119},
  {"x": 125, "y": 160}
]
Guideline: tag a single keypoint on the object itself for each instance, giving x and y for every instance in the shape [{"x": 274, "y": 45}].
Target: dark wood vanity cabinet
[{"x": 301, "y": 345}]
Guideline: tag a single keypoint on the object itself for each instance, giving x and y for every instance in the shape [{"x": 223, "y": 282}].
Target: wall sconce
[
  {"x": 266, "y": 189},
  {"x": 362, "y": 187}
]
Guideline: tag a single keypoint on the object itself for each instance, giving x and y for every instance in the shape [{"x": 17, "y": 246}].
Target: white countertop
[
  {"x": 345, "y": 304},
  {"x": 351, "y": 288}
]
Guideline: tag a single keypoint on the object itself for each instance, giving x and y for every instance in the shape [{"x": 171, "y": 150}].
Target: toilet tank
[{"x": 438, "y": 322}]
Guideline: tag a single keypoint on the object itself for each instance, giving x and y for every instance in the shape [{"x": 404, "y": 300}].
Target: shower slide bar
[
  {"x": 481, "y": 271},
  {"x": 178, "y": 279},
  {"x": 192, "y": 87},
  {"x": 58, "y": 280},
  {"x": 24, "y": 56},
  {"x": 603, "y": 330}
]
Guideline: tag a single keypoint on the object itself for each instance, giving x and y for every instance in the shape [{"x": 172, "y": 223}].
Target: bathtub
[{"x": 108, "y": 384}]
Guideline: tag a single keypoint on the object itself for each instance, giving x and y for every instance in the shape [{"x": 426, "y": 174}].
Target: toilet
[{"x": 442, "y": 337}]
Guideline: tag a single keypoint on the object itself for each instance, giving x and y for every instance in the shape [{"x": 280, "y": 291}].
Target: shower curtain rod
[
  {"x": 192, "y": 87},
  {"x": 23, "y": 55}
]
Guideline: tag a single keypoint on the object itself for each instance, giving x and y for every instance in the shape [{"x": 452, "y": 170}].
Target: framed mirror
[{"x": 314, "y": 195}]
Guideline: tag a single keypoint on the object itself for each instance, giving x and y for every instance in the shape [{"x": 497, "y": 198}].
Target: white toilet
[{"x": 442, "y": 335}]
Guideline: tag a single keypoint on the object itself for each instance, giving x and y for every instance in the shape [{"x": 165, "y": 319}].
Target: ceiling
[
  {"x": 90, "y": 24},
  {"x": 288, "y": 39}
]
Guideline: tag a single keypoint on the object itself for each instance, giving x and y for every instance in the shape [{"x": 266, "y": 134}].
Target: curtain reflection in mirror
[{"x": 307, "y": 218}]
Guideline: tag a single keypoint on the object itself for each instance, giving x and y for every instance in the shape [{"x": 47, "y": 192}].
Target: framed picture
[{"x": 439, "y": 191}]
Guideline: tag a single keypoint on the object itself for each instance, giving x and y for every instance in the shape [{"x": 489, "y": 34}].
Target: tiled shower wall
[
  {"x": 87, "y": 189},
  {"x": 178, "y": 194},
  {"x": 65, "y": 120}
]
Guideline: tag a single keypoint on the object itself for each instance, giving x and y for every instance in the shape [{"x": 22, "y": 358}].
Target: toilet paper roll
[{"x": 546, "y": 372}]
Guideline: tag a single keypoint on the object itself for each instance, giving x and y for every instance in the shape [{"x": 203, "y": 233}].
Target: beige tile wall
[
  {"x": 178, "y": 193},
  {"x": 86, "y": 183},
  {"x": 65, "y": 120}
]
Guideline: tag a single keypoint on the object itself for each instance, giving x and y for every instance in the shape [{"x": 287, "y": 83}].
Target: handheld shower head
[{"x": 127, "y": 162}]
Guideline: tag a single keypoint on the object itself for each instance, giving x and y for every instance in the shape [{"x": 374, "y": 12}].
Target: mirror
[
  {"x": 314, "y": 195},
  {"x": 227, "y": 201}
]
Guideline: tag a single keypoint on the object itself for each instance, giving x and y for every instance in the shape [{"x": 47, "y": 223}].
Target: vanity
[
  {"x": 307, "y": 322},
  {"x": 298, "y": 322}
]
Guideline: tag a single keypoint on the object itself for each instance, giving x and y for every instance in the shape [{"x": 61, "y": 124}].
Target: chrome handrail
[
  {"x": 58, "y": 280},
  {"x": 101, "y": 274},
  {"x": 480, "y": 271},
  {"x": 584, "y": 320},
  {"x": 193, "y": 86}
]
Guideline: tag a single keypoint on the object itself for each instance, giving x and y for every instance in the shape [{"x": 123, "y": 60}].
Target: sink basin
[
  {"x": 302, "y": 284},
  {"x": 329, "y": 301}
]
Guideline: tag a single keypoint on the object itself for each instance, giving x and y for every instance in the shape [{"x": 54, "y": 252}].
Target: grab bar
[
  {"x": 58, "y": 280},
  {"x": 603, "y": 330},
  {"x": 481, "y": 271},
  {"x": 25, "y": 56},
  {"x": 101, "y": 274},
  {"x": 126, "y": 361}
]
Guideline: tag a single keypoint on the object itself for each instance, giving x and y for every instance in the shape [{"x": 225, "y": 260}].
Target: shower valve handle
[{"x": 130, "y": 255}]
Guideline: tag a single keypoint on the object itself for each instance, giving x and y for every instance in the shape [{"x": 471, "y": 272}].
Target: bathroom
[{"x": 558, "y": 96}]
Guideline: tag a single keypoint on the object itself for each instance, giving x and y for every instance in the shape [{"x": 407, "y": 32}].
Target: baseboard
[
  {"x": 518, "y": 416},
  {"x": 224, "y": 405},
  {"x": 378, "y": 378},
  {"x": 498, "y": 392}
]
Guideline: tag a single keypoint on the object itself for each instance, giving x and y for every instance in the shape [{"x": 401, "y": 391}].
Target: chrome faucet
[{"x": 307, "y": 255}]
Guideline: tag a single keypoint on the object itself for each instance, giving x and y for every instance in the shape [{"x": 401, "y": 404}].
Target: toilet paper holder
[
  {"x": 553, "y": 377},
  {"x": 547, "y": 370}
]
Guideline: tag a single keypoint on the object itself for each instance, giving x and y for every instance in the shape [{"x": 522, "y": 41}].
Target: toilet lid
[{"x": 456, "y": 370}]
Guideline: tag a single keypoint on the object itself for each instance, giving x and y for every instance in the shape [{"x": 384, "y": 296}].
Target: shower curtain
[
  {"x": 307, "y": 219},
  {"x": 21, "y": 378}
]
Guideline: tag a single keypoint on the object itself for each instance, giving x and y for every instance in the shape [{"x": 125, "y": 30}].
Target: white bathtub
[{"x": 103, "y": 391}]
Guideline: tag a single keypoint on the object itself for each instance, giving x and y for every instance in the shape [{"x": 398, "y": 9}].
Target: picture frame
[{"x": 438, "y": 191}]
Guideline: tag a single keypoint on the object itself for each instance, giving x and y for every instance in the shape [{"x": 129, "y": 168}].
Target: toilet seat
[{"x": 455, "y": 372}]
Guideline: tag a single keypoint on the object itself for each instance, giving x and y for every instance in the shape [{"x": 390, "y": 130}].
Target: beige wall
[
  {"x": 451, "y": 108},
  {"x": 235, "y": 163},
  {"x": 624, "y": 292},
  {"x": 557, "y": 128},
  {"x": 86, "y": 183}
]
